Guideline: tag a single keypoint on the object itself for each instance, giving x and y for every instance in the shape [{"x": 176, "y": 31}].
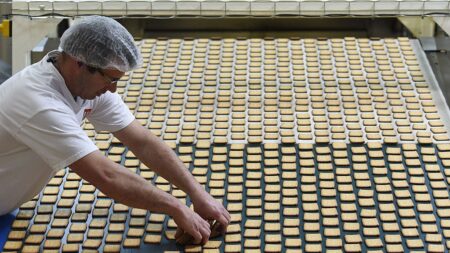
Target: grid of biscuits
[{"x": 283, "y": 90}]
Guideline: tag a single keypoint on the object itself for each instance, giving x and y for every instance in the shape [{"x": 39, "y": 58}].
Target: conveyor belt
[{"x": 312, "y": 144}]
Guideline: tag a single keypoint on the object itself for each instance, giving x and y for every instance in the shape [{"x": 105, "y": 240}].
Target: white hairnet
[{"x": 101, "y": 42}]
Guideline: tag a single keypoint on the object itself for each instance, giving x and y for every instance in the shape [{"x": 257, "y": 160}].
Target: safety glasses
[{"x": 109, "y": 79}]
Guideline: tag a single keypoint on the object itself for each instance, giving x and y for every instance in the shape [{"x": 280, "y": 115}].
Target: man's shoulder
[
  {"x": 27, "y": 93},
  {"x": 36, "y": 76}
]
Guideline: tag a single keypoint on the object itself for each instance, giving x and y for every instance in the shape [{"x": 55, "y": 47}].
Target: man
[{"x": 42, "y": 107}]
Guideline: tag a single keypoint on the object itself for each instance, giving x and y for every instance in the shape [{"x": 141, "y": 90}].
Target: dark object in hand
[{"x": 187, "y": 239}]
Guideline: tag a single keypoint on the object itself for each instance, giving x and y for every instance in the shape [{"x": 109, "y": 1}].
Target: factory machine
[{"x": 322, "y": 126}]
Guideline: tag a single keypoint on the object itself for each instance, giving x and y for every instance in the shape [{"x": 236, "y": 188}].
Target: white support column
[
  {"x": 444, "y": 23},
  {"x": 26, "y": 33},
  {"x": 419, "y": 26}
]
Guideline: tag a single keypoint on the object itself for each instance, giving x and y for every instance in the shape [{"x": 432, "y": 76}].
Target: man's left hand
[{"x": 210, "y": 209}]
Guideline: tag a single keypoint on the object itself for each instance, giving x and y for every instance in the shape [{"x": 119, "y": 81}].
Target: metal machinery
[
  {"x": 319, "y": 124},
  {"x": 5, "y": 40},
  {"x": 36, "y": 20}
]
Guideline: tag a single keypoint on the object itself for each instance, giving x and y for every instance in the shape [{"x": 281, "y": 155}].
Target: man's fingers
[
  {"x": 197, "y": 237},
  {"x": 220, "y": 227},
  {"x": 206, "y": 229},
  {"x": 223, "y": 220},
  {"x": 227, "y": 215},
  {"x": 185, "y": 239},
  {"x": 224, "y": 226},
  {"x": 221, "y": 216},
  {"x": 201, "y": 235},
  {"x": 205, "y": 240},
  {"x": 179, "y": 233},
  {"x": 225, "y": 212},
  {"x": 205, "y": 233}
]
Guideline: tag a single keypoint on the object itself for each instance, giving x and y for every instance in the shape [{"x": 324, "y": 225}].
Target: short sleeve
[
  {"x": 56, "y": 137},
  {"x": 110, "y": 113}
]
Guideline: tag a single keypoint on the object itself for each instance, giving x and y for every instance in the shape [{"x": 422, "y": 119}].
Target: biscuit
[
  {"x": 131, "y": 242},
  {"x": 70, "y": 248}
]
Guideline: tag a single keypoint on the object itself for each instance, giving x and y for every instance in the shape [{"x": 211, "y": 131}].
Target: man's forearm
[
  {"x": 164, "y": 161},
  {"x": 124, "y": 186},
  {"x": 132, "y": 190}
]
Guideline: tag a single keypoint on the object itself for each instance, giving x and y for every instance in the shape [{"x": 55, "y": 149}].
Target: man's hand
[
  {"x": 210, "y": 209},
  {"x": 190, "y": 222}
]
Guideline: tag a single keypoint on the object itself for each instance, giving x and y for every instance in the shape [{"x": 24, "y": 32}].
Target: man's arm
[
  {"x": 160, "y": 158},
  {"x": 130, "y": 189}
]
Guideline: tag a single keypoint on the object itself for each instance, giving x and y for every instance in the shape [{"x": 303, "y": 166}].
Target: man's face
[{"x": 95, "y": 82}]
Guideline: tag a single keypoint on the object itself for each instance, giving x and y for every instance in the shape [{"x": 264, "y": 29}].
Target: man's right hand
[{"x": 190, "y": 222}]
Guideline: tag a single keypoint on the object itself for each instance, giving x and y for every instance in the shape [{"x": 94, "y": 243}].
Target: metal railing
[{"x": 231, "y": 8}]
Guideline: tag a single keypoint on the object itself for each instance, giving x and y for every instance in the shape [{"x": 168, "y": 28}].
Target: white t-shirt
[{"x": 40, "y": 130}]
